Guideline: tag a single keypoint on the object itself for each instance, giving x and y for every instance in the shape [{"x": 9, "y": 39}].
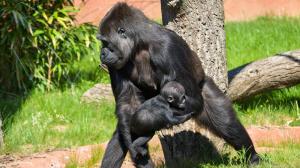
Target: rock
[{"x": 98, "y": 93}]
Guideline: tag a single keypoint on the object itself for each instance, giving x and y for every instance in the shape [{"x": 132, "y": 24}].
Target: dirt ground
[{"x": 59, "y": 158}]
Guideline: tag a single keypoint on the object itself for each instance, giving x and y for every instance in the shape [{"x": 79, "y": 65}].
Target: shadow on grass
[
  {"x": 277, "y": 99},
  {"x": 191, "y": 149},
  {"x": 9, "y": 105}
]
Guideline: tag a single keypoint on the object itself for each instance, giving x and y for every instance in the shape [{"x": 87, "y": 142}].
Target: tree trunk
[
  {"x": 279, "y": 71},
  {"x": 201, "y": 24}
]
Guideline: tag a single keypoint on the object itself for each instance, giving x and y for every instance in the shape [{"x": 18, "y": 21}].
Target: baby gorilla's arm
[
  {"x": 177, "y": 119},
  {"x": 137, "y": 145}
]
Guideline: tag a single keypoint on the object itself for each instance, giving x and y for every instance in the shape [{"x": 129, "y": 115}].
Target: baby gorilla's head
[{"x": 174, "y": 93}]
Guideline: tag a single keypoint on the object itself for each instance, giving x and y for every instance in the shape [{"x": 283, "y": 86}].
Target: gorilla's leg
[
  {"x": 145, "y": 160},
  {"x": 219, "y": 116},
  {"x": 139, "y": 143},
  {"x": 115, "y": 152}
]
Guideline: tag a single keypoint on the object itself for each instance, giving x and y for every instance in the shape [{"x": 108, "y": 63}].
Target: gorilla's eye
[
  {"x": 121, "y": 31},
  {"x": 170, "y": 99}
]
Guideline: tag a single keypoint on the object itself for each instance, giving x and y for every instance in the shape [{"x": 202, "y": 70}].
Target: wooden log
[{"x": 279, "y": 71}]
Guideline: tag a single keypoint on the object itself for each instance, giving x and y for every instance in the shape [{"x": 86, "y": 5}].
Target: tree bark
[
  {"x": 201, "y": 24},
  {"x": 279, "y": 71}
]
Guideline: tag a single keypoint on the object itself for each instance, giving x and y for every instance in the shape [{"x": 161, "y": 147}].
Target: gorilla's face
[
  {"x": 119, "y": 31},
  {"x": 116, "y": 47},
  {"x": 174, "y": 93}
]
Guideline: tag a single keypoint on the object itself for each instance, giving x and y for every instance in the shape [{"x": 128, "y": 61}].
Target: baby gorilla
[{"x": 162, "y": 111}]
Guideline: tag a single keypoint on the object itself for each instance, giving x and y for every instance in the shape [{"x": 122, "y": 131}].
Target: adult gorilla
[{"x": 141, "y": 56}]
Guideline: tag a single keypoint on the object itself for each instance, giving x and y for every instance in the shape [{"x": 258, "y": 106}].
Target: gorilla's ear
[{"x": 143, "y": 65}]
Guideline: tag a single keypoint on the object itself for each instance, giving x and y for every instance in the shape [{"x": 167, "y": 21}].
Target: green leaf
[
  {"x": 57, "y": 34},
  {"x": 38, "y": 32},
  {"x": 50, "y": 20},
  {"x": 87, "y": 40},
  {"x": 55, "y": 14},
  {"x": 42, "y": 21},
  {"x": 62, "y": 23},
  {"x": 36, "y": 13},
  {"x": 68, "y": 9},
  {"x": 45, "y": 16},
  {"x": 16, "y": 20},
  {"x": 53, "y": 39},
  {"x": 35, "y": 42},
  {"x": 59, "y": 70},
  {"x": 30, "y": 28}
]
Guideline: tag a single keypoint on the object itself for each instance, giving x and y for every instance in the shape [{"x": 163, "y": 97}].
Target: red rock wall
[
  {"x": 235, "y": 10},
  {"x": 93, "y": 10}
]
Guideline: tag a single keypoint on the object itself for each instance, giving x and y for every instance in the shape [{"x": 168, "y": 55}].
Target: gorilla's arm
[
  {"x": 165, "y": 119},
  {"x": 128, "y": 98}
]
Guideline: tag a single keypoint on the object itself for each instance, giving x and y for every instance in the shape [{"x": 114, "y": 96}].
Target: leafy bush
[{"x": 39, "y": 41}]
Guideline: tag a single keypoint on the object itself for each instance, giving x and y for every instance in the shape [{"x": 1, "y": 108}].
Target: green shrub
[{"x": 38, "y": 42}]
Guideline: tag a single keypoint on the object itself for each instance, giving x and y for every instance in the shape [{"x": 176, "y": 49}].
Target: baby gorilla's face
[
  {"x": 176, "y": 100},
  {"x": 174, "y": 93}
]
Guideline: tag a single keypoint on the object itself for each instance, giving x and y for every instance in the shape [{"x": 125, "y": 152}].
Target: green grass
[
  {"x": 266, "y": 36},
  {"x": 57, "y": 119},
  {"x": 96, "y": 155},
  {"x": 274, "y": 108},
  {"x": 279, "y": 156},
  {"x": 249, "y": 41},
  {"x": 87, "y": 69},
  {"x": 295, "y": 123},
  {"x": 286, "y": 155}
]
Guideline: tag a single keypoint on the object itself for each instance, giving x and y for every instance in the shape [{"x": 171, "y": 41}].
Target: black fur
[
  {"x": 161, "y": 111},
  {"x": 141, "y": 56}
]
